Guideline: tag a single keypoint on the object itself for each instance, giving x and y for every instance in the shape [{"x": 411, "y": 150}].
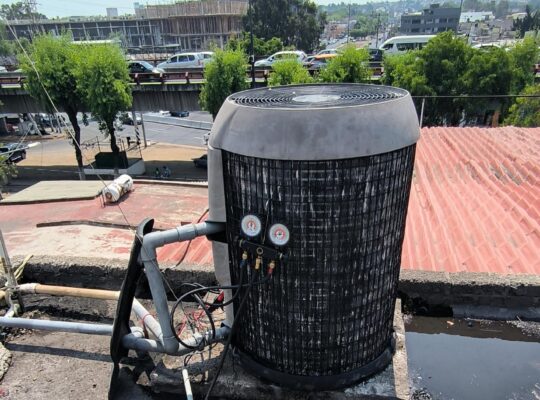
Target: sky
[{"x": 64, "y": 8}]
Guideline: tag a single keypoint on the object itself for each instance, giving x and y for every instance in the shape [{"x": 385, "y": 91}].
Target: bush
[
  {"x": 225, "y": 75},
  {"x": 288, "y": 72},
  {"x": 526, "y": 110},
  {"x": 350, "y": 66}
]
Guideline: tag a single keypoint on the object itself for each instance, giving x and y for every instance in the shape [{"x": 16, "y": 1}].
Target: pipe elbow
[{"x": 170, "y": 345}]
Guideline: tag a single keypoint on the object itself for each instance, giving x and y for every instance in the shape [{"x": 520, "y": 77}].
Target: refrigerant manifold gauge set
[{"x": 264, "y": 247}]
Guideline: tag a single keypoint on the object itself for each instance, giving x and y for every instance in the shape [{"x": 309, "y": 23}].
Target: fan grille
[{"x": 317, "y": 96}]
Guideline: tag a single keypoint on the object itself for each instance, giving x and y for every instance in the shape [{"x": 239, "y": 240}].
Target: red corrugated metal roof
[{"x": 475, "y": 201}]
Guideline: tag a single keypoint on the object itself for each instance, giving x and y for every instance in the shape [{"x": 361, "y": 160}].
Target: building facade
[
  {"x": 189, "y": 26},
  {"x": 430, "y": 21}
]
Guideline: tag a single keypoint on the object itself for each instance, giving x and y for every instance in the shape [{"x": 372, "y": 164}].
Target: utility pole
[
  {"x": 251, "y": 50},
  {"x": 349, "y": 23},
  {"x": 377, "y": 37}
]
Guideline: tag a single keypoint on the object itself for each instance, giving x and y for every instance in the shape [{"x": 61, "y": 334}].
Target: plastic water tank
[{"x": 117, "y": 188}]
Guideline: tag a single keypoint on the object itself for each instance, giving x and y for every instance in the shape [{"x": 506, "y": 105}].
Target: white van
[{"x": 401, "y": 44}]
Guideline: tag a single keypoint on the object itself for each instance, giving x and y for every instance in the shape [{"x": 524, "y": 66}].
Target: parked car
[
  {"x": 181, "y": 114},
  {"x": 127, "y": 119},
  {"x": 184, "y": 60},
  {"x": 376, "y": 55},
  {"x": 207, "y": 56},
  {"x": 143, "y": 67},
  {"x": 300, "y": 56},
  {"x": 320, "y": 61},
  {"x": 201, "y": 162},
  {"x": 327, "y": 51},
  {"x": 13, "y": 152}
]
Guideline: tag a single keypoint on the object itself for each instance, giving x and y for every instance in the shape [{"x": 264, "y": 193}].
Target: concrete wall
[{"x": 145, "y": 98}]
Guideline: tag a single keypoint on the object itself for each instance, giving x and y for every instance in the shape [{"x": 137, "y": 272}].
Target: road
[{"x": 155, "y": 132}]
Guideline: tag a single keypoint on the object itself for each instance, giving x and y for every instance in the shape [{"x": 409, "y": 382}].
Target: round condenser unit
[{"x": 316, "y": 179}]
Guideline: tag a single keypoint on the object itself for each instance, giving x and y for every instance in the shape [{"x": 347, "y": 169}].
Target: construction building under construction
[{"x": 193, "y": 25}]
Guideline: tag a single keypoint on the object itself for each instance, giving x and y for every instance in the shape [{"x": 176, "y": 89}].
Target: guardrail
[{"x": 173, "y": 76}]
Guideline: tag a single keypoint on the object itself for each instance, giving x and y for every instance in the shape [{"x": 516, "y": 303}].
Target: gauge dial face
[
  {"x": 279, "y": 234},
  {"x": 251, "y": 225}
]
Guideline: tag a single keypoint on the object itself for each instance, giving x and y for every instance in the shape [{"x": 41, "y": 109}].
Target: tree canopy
[
  {"x": 287, "y": 72},
  {"x": 295, "y": 22},
  {"x": 51, "y": 74},
  {"x": 447, "y": 66},
  {"x": 526, "y": 110},
  {"x": 225, "y": 75},
  {"x": 367, "y": 24},
  {"x": 530, "y": 22},
  {"x": 104, "y": 82},
  {"x": 261, "y": 47},
  {"x": 350, "y": 66},
  {"x": 19, "y": 10}
]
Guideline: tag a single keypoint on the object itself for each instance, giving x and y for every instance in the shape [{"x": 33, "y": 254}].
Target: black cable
[
  {"x": 203, "y": 304},
  {"x": 212, "y": 325},
  {"x": 229, "y": 339}
]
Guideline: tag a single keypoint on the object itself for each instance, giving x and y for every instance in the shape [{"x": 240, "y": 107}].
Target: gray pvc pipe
[
  {"x": 134, "y": 342},
  {"x": 148, "y": 321},
  {"x": 154, "y": 240},
  {"x": 60, "y": 326}
]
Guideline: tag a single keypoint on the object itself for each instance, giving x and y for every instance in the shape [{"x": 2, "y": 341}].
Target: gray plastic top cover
[{"x": 316, "y": 122}]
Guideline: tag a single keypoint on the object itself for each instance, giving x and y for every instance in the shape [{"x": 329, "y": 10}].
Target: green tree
[
  {"x": 105, "y": 85},
  {"x": 260, "y": 46},
  {"x": 51, "y": 76},
  {"x": 443, "y": 61},
  {"x": 351, "y": 65},
  {"x": 488, "y": 72},
  {"x": 526, "y": 110},
  {"x": 406, "y": 71},
  {"x": 367, "y": 24},
  {"x": 19, "y": 10},
  {"x": 288, "y": 72},
  {"x": 224, "y": 75},
  {"x": 523, "y": 56},
  {"x": 295, "y": 22},
  {"x": 6, "y": 47},
  {"x": 273, "y": 45},
  {"x": 530, "y": 22},
  {"x": 7, "y": 170}
]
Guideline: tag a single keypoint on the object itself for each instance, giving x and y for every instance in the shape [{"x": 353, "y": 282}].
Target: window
[
  {"x": 388, "y": 46},
  {"x": 182, "y": 58},
  {"x": 414, "y": 30},
  {"x": 443, "y": 20},
  {"x": 405, "y": 46},
  {"x": 415, "y": 21},
  {"x": 191, "y": 57},
  {"x": 173, "y": 59}
]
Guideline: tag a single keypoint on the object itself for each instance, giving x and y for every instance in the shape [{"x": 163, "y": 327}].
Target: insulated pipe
[
  {"x": 147, "y": 319},
  {"x": 132, "y": 341},
  {"x": 150, "y": 243},
  {"x": 60, "y": 326}
]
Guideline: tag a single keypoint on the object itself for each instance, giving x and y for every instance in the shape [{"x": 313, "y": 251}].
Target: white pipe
[
  {"x": 154, "y": 240},
  {"x": 187, "y": 384}
]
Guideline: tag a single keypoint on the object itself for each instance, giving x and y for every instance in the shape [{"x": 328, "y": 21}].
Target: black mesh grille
[
  {"x": 329, "y": 310},
  {"x": 317, "y": 96}
]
